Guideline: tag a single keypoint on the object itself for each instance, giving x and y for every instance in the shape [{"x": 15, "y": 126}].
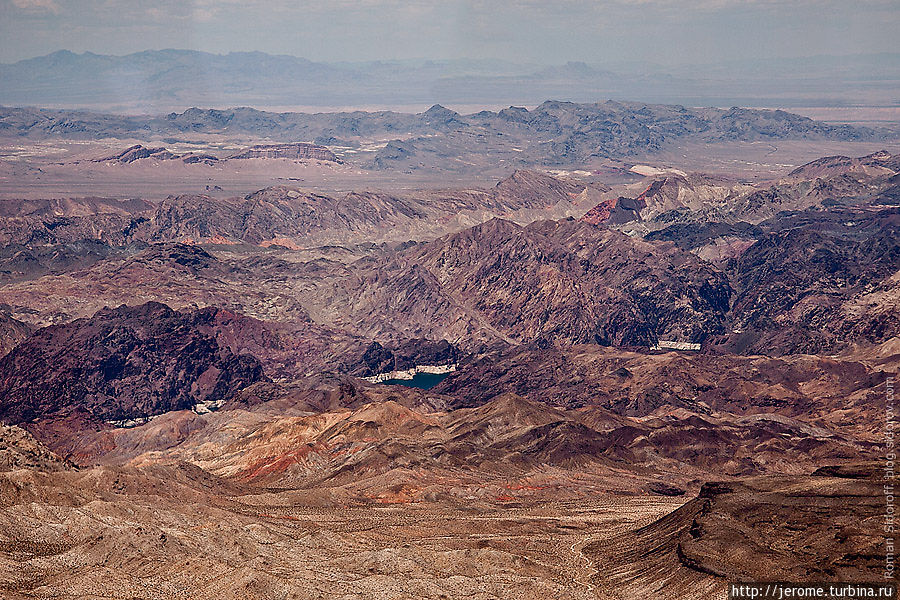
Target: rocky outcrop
[
  {"x": 192, "y": 159},
  {"x": 378, "y": 359},
  {"x": 297, "y": 151},
  {"x": 138, "y": 152},
  {"x": 20, "y": 450},
  {"x": 533, "y": 189},
  {"x": 615, "y": 212}
]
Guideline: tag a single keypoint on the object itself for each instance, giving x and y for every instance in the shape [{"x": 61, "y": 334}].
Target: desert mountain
[
  {"x": 263, "y": 338},
  {"x": 503, "y": 283},
  {"x": 878, "y": 163},
  {"x": 383, "y": 432},
  {"x": 216, "y": 424},
  {"x": 812, "y": 280},
  {"x": 138, "y": 152},
  {"x": 831, "y": 394},
  {"x": 293, "y": 217},
  {"x": 816, "y": 278}
]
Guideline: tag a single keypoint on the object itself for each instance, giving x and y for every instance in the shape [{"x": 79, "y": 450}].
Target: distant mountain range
[
  {"x": 163, "y": 80},
  {"x": 553, "y": 133}
]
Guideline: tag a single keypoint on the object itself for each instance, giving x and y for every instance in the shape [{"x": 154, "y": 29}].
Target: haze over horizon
[{"x": 664, "y": 32}]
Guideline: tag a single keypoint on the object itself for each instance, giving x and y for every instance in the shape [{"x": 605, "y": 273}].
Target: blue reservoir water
[{"x": 423, "y": 381}]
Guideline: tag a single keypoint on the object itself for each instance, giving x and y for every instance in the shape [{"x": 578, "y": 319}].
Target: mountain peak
[{"x": 440, "y": 113}]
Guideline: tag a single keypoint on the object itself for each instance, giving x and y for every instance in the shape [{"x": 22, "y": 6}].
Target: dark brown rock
[{"x": 123, "y": 363}]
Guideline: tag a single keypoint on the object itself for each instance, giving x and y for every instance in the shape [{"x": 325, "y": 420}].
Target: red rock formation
[{"x": 600, "y": 213}]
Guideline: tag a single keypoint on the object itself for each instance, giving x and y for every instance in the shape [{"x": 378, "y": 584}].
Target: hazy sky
[{"x": 550, "y": 32}]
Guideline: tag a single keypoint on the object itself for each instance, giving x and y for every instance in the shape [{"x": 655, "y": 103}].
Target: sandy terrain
[
  {"x": 165, "y": 532},
  {"x": 42, "y": 169}
]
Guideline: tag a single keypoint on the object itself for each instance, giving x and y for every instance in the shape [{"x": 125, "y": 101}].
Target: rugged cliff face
[{"x": 124, "y": 363}]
